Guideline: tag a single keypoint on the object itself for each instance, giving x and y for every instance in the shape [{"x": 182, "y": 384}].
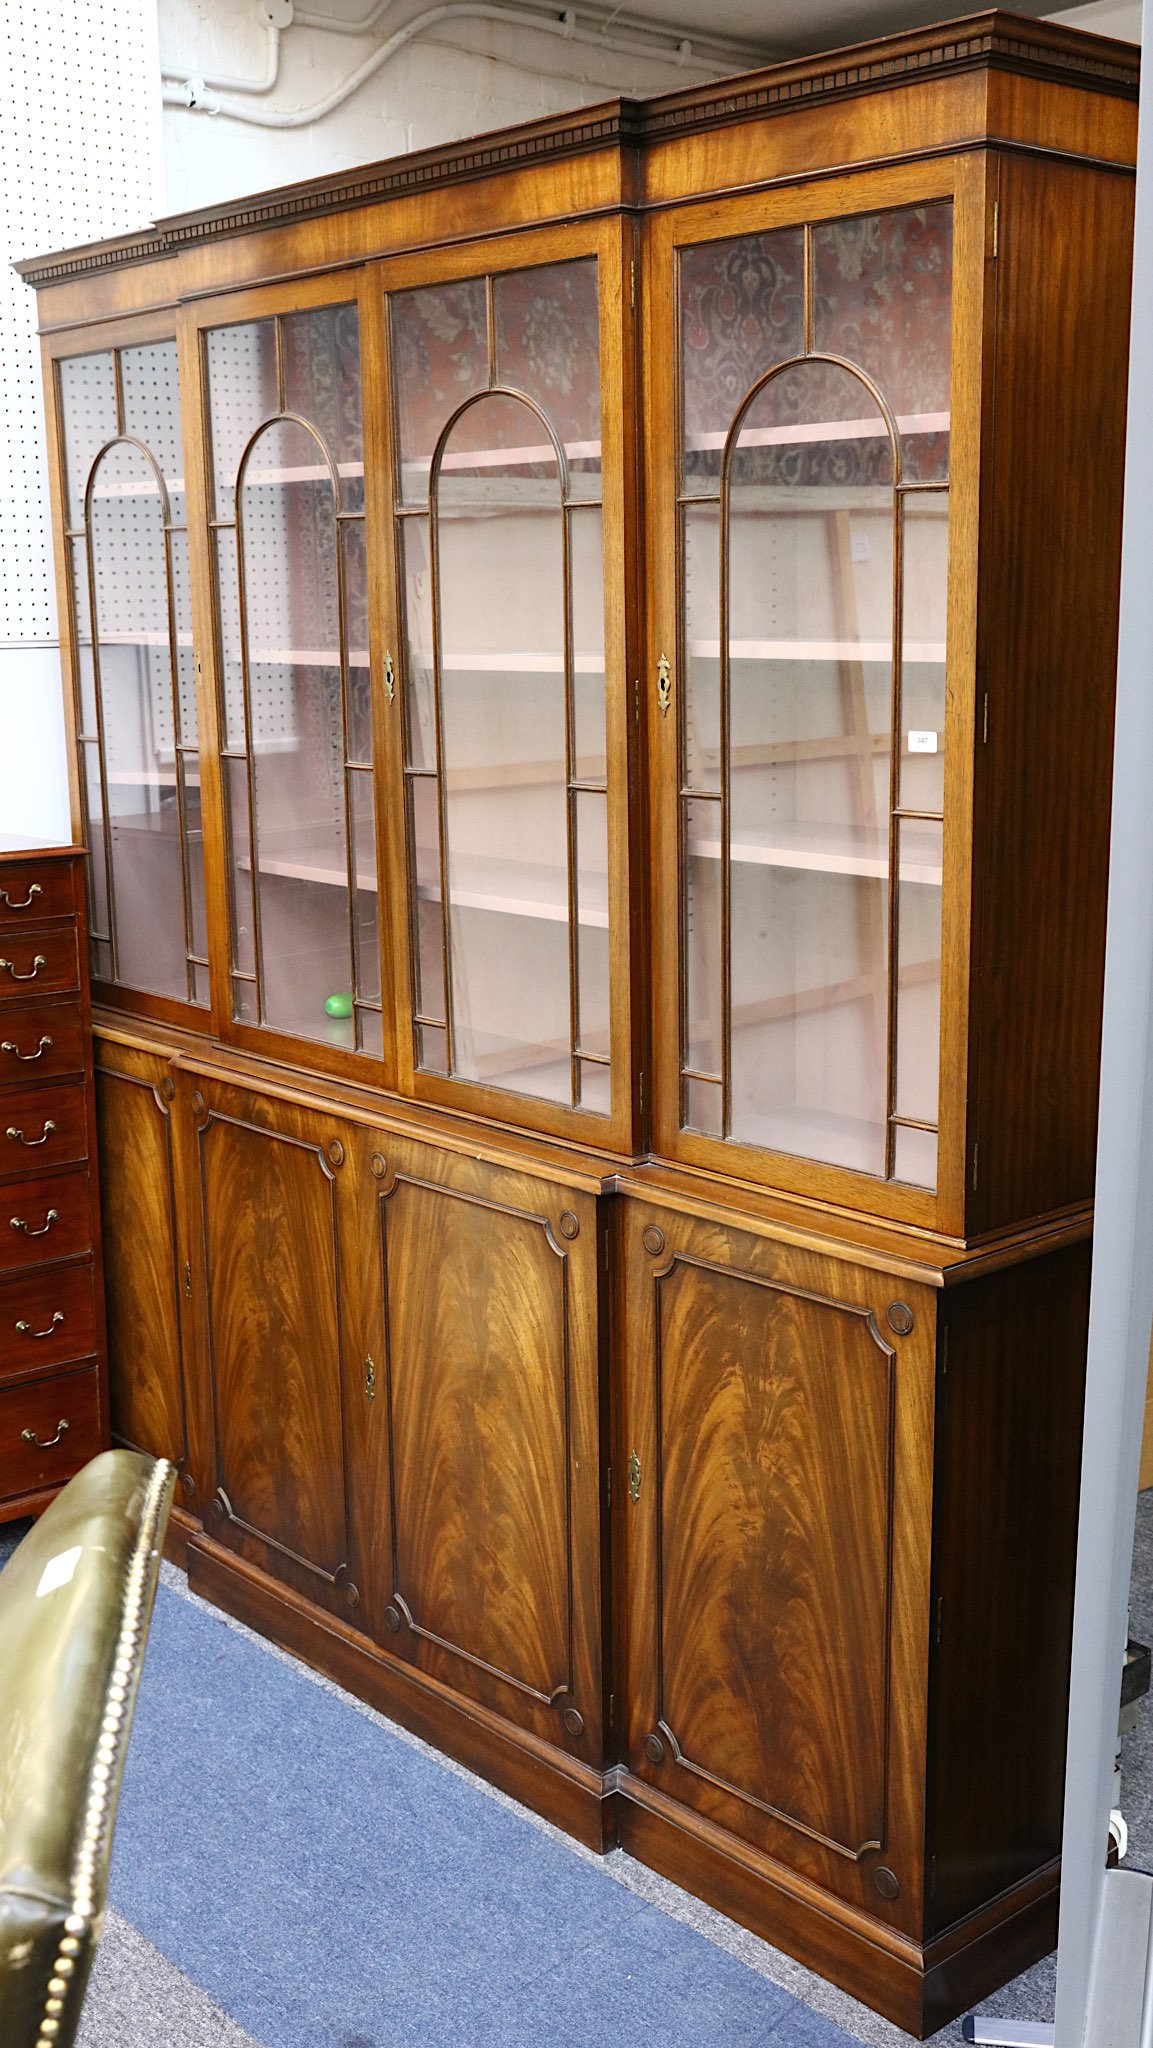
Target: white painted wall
[{"x": 80, "y": 157}]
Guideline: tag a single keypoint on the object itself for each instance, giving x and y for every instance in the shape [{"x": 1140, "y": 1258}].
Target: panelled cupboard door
[
  {"x": 118, "y": 466},
  {"x": 486, "y": 1476},
  {"x": 509, "y": 489},
  {"x": 276, "y": 1269},
  {"x": 812, "y": 449},
  {"x": 778, "y": 1442},
  {"x": 147, "y": 1273}
]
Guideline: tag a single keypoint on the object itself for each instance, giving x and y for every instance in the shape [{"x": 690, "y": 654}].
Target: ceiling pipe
[{"x": 202, "y": 93}]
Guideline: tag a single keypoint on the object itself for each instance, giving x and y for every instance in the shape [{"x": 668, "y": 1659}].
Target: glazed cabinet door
[
  {"x": 286, "y": 570},
  {"x": 813, "y": 477},
  {"x": 777, "y": 1447},
  {"x": 510, "y": 489},
  {"x": 144, "y": 1192},
  {"x": 277, "y": 1275},
  {"x": 126, "y": 616},
  {"x": 485, "y": 1470}
]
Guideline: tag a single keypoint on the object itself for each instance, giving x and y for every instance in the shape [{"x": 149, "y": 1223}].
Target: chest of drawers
[{"x": 53, "y": 1386}]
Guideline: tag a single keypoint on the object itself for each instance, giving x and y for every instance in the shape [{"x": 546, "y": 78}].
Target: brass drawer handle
[
  {"x": 18, "y": 1223},
  {"x": 10, "y": 902},
  {"x": 17, "y": 1136},
  {"x": 38, "y": 962},
  {"x": 24, "y": 1329},
  {"x": 29, "y": 1436},
  {"x": 9, "y": 1045}
]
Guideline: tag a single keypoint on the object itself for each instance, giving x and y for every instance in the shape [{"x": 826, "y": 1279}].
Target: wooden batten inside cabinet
[{"x": 589, "y": 655}]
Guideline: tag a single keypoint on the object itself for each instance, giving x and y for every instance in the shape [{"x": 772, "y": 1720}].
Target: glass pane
[
  {"x": 419, "y": 676},
  {"x": 243, "y": 1001},
  {"x": 504, "y": 721},
  {"x": 883, "y": 298},
  {"x": 431, "y": 1048},
  {"x": 586, "y": 559},
  {"x": 201, "y": 991},
  {"x": 228, "y": 613},
  {"x": 925, "y": 580},
  {"x": 742, "y": 312},
  {"x": 704, "y": 1107},
  {"x": 358, "y": 689},
  {"x": 194, "y": 834},
  {"x": 596, "y": 1088},
  {"x": 425, "y": 855},
  {"x": 548, "y": 346},
  {"x": 703, "y": 984},
  {"x": 136, "y": 694},
  {"x": 919, "y": 970},
  {"x": 702, "y": 644},
  {"x": 593, "y": 921},
  {"x": 185, "y": 658},
  {"x": 439, "y": 350},
  {"x": 100, "y": 957},
  {"x": 152, "y": 412},
  {"x": 371, "y": 1025},
  {"x": 242, "y": 394},
  {"x": 98, "y": 917},
  {"x": 82, "y": 628},
  {"x": 236, "y": 823},
  {"x": 810, "y": 651},
  {"x": 288, "y": 535},
  {"x": 915, "y": 1157},
  {"x": 321, "y": 351},
  {"x": 88, "y": 409},
  {"x": 367, "y": 923}
]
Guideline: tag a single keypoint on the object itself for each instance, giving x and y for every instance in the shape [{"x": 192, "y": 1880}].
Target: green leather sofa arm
[{"x": 76, "y": 1599}]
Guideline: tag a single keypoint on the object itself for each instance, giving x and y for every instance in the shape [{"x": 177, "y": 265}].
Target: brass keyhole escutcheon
[
  {"x": 389, "y": 678},
  {"x": 370, "y": 1378},
  {"x": 634, "y": 1478},
  {"x": 664, "y": 682}
]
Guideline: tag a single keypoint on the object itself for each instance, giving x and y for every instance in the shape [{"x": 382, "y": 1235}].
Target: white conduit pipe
[
  {"x": 191, "y": 93},
  {"x": 200, "y": 93}
]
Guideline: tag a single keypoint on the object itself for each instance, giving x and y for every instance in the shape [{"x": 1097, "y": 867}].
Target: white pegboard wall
[{"x": 80, "y": 158}]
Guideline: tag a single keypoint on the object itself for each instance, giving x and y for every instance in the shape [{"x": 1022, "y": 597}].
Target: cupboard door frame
[
  {"x": 964, "y": 181},
  {"x": 198, "y": 318},
  {"x": 611, "y": 241},
  {"x": 657, "y": 1245},
  {"x": 94, "y": 338}
]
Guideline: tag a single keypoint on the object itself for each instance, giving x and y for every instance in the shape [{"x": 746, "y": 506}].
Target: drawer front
[
  {"x": 41, "y": 963},
  {"x": 45, "y": 1218},
  {"x": 42, "y": 1127},
  {"x": 38, "y": 1041},
  {"x": 32, "y": 890},
  {"x": 47, "y": 1317},
  {"x": 48, "y": 1430}
]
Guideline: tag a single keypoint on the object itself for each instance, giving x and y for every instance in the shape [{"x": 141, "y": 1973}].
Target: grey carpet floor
[{"x": 140, "y": 2000}]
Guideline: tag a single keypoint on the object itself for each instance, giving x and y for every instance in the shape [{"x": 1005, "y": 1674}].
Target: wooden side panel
[
  {"x": 142, "y": 1265},
  {"x": 491, "y": 1456},
  {"x": 1005, "y": 1536},
  {"x": 1047, "y": 649},
  {"x": 777, "y": 1466},
  {"x": 271, "y": 1247}
]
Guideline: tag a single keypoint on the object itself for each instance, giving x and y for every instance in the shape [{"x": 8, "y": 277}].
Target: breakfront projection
[{"x": 590, "y": 655}]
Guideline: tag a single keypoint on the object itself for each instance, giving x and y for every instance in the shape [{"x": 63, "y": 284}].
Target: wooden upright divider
[{"x": 590, "y": 660}]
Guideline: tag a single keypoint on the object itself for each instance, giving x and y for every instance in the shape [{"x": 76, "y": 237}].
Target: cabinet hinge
[
  {"x": 633, "y": 282},
  {"x": 932, "y": 1877},
  {"x": 187, "y": 1281},
  {"x": 996, "y": 228},
  {"x": 609, "y": 1487},
  {"x": 641, "y": 1090},
  {"x": 976, "y": 1146},
  {"x": 606, "y": 1248},
  {"x": 637, "y": 700},
  {"x": 985, "y": 721},
  {"x": 940, "y": 1607},
  {"x": 612, "y": 1709}
]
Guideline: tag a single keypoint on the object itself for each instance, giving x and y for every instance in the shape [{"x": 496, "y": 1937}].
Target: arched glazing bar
[
  {"x": 499, "y": 525},
  {"x": 813, "y": 560},
  {"x": 131, "y": 630},
  {"x": 291, "y": 589}
]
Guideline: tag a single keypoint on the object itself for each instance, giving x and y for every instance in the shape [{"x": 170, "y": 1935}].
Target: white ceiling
[{"x": 793, "y": 28}]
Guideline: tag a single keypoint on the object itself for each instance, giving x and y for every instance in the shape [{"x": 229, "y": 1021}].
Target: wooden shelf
[
  {"x": 819, "y": 650},
  {"x": 793, "y": 434},
  {"x": 821, "y": 850}
]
